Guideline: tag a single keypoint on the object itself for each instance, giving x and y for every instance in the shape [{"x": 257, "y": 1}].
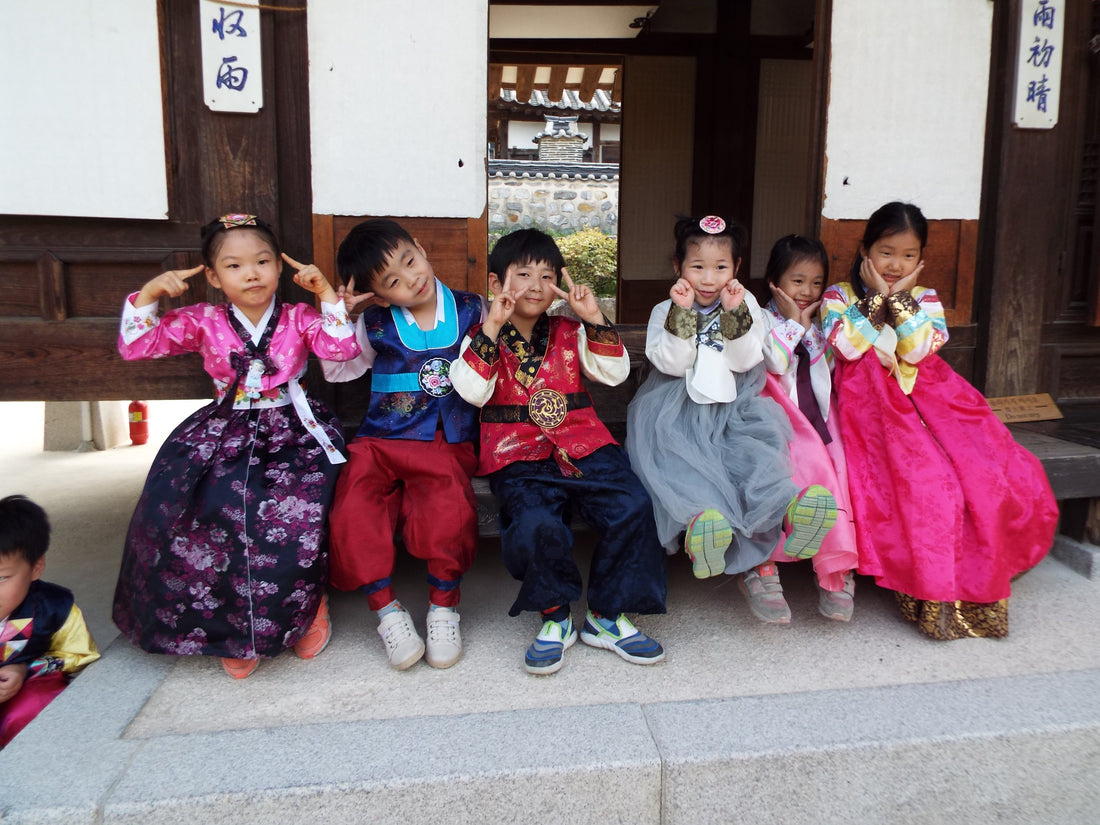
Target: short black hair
[
  {"x": 690, "y": 230},
  {"x": 367, "y": 248},
  {"x": 213, "y": 235},
  {"x": 525, "y": 246},
  {"x": 789, "y": 250},
  {"x": 24, "y": 529}
]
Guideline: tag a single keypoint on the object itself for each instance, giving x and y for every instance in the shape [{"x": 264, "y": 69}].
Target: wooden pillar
[{"x": 1022, "y": 227}]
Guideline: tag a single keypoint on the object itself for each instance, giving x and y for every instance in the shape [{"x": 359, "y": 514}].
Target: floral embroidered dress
[
  {"x": 799, "y": 362},
  {"x": 700, "y": 434},
  {"x": 948, "y": 506},
  {"x": 226, "y": 550}
]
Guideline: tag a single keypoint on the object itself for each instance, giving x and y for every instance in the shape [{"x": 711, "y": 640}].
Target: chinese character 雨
[
  {"x": 232, "y": 77},
  {"x": 229, "y": 24},
  {"x": 1043, "y": 16}
]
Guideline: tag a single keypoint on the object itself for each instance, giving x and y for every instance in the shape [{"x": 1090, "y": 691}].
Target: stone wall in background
[{"x": 559, "y": 198}]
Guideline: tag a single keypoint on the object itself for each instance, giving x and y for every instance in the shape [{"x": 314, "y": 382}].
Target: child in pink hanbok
[
  {"x": 800, "y": 380},
  {"x": 226, "y": 551},
  {"x": 948, "y": 507}
]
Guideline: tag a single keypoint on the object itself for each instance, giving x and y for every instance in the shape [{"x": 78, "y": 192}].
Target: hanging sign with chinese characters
[
  {"x": 1039, "y": 64},
  {"x": 232, "y": 72}
]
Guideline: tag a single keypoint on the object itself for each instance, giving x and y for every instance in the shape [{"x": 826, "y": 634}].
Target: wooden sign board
[{"x": 1011, "y": 409}]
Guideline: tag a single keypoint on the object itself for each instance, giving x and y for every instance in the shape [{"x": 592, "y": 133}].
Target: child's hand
[
  {"x": 11, "y": 680},
  {"x": 310, "y": 278},
  {"x": 908, "y": 282},
  {"x": 172, "y": 283},
  {"x": 502, "y": 307},
  {"x": 682, "y": 294},
  {"x": 349, "y": 296},
  {"x": 733, "y": 293},
  {"x": 582, "y": 300},
  {"x": 871, "y": 279},
  {"x": 788, "y": 307}
]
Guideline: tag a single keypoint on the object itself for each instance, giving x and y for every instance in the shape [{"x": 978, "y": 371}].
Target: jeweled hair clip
[
  {"x": 712, "y": 225},
  {"x": 231, "y": 221}
]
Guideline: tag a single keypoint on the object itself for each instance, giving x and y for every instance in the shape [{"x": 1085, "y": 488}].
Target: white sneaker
[
  {"x": 403, "y": 645},
  {"x": 444, "y": 638}
]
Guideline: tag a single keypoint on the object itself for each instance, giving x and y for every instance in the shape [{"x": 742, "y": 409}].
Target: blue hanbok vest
[{"x": 411, "y": 391}]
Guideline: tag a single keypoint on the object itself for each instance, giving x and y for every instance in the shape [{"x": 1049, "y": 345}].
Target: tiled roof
[
  {"x": 552, "y": 169},
  {"x": 601, "y": 101}
]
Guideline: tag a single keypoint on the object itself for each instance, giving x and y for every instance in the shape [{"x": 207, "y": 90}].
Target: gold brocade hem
[
  {"x": 736, "y": 322},
  {"x": 485, "y": 348},
  {"x": 901, "y": 306},
  {"x": 681, "y": 322},
  {"x": 602, "y": 333},
  {"x": 945, "y": 621},
  {"x": 873, "y": 307}
]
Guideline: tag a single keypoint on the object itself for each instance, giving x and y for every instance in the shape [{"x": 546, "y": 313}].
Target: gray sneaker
[
  {"x": 838, "y": 604},
  {"x": 765, "y": 594}
]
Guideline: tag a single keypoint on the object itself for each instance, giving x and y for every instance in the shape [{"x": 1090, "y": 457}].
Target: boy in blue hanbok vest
[{"x": 411, "y": 463}]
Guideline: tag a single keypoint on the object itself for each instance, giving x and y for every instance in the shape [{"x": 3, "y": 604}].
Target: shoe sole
[
  {"x": 810, "y": 519},
  {"x": 412, "y": 660},
  {"x": 835, "y": 614},
  {"x": 605, "y": 643},
  {"x": 240, "y": 672},
  {"x": 708, "y": 537},
  {"x": 752, "y": 608},
  {"x": 442, "y": 664},
  {"x": 567, "y": 643}
]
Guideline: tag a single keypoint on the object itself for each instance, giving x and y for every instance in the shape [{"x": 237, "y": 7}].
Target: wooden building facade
[{"x": 1019, "y": 280}]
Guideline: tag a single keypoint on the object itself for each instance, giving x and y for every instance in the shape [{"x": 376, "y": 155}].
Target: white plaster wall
[
  {"x": 397, "y": 107},
  {"x": 906, "y": 119},
  {"x": 81, "y": 124}
]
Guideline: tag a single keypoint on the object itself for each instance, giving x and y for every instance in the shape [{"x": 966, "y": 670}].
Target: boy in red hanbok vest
[{"x": 546, "y": 454}]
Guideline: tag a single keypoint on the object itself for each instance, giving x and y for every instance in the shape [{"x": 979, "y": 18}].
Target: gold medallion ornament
[{"x": 547, "y": 408}]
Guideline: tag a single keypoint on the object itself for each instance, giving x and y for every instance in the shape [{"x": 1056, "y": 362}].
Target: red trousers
[
  {"x": 19, "y": 710},
  {"x": 420, "y": 489}
]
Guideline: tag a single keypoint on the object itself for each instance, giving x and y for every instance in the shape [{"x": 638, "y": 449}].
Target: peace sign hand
[
  {"x": 502, "y": 307},
  {"x": 581, "y": 298},
  {"x": 172, "y": 283},
  {"x": 310, "y": 278},
  {"x": 349, "y": 296}
]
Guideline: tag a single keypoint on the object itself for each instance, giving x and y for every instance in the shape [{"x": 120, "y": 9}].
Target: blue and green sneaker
[
  {"x": 623, "y": 638},
  {"x": 544, "y": 656}
]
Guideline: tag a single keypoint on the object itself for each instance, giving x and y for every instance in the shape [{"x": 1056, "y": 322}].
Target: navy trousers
[{"x": 627, "y": 573}]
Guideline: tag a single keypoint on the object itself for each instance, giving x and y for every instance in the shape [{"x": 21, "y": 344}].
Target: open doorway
[{"x": 555, "y": 139}]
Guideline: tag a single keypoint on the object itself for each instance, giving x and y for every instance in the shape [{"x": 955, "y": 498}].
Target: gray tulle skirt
[{"x": 731, "y": 457}]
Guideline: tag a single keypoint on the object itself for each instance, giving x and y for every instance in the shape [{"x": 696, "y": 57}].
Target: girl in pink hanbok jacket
[
  {"x": 800, "y": 380},
  {"x": 226, "y": 551},
  {"x": 948, "y": 507}
]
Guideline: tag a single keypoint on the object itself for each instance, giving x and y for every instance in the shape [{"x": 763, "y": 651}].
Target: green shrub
[{"x": 592, "y": 258}]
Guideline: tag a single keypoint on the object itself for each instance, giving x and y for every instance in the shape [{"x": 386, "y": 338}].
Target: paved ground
[{"x": 716, "y": 650}]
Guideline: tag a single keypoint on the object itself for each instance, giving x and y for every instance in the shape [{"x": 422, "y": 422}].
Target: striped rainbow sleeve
[
  {"x": 847, "y": 330},
  {"x": 924, "y": 331}
]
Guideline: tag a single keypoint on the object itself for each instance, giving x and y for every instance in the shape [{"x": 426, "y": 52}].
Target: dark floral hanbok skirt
[{"x": 226, "y": 551}]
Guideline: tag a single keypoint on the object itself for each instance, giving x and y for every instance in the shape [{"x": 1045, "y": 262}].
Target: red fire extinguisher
[{"x": 139, "y": 422}]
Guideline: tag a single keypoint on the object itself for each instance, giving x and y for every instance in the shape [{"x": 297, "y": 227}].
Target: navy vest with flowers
[{"x": 411, "y": 391}]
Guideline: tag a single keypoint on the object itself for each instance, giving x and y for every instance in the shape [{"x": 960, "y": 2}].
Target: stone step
[{"x": 1015, "y": 749}]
